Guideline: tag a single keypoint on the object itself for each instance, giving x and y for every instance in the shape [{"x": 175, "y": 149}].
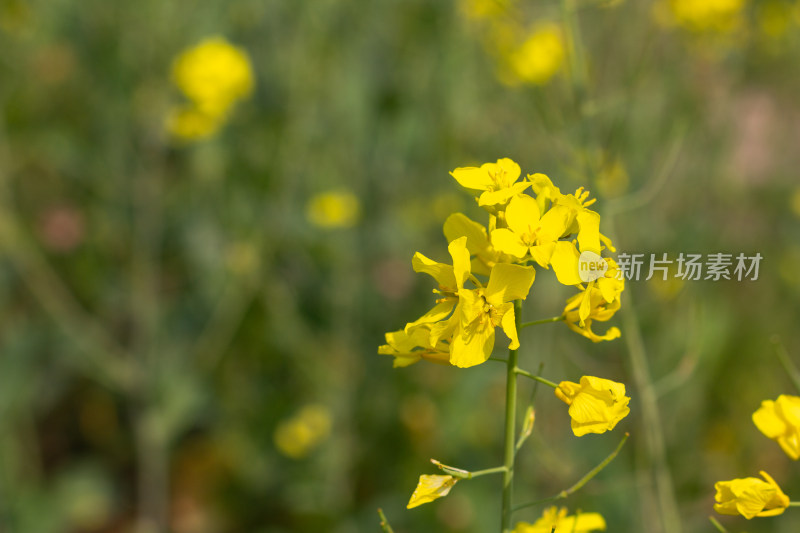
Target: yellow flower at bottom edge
[
  {"x": 431, "y": 488},
  {"x": 750, "y": 497},
  {"x": 780, "y": 421},
  {"x": 557, "y": 519},
  {"x": 595, "y": 404}
]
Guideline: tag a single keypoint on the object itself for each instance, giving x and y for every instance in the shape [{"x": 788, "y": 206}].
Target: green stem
[
  {"x": 510, "y": 433},
  {"x": 583, "y": 481},
  {"x": 385, "y": 527},
  {"x": 466, "y": 474},
  {"x": 794, "y": 504},
  {"x": 534, "y": 377},
  {"x": 542, "y": 321},
  {"x": 719, "y": 526}
]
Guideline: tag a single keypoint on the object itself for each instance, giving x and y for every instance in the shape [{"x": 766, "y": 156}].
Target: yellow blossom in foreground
[
  {"x": 540, "y": 57},
  {"x": 599, "y": 300},
  {"x": 299, "y": 435},
  {"x": 334, "y": 210},
  {"x": 485, "y": 255},
  {"x": 750, "y": 497},
  {"x": 494, "y": 183},
  {"x": 780, "y": 421},
  {"x": 430, "y": 488},
  {"x": 595, "y": 404},
  {"x": 213, "y": 75},
  {"x": 483, "y": 309},
  {"x": 554, "y": 519},
  {"x": 409, "y": 347},
  {"x": 530, "y": 231}
]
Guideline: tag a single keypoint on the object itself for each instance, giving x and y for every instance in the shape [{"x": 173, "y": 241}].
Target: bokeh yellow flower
[
  {"x": 750, "y": 497},
  {"x": 596, "y": 405},
  {"x": 334, "y": 209},
  {"x": 431, "y": 488},
  {"x": 780, "y": 421},
  {"x": 555, "y": 519},
  {"x": 719, "y": 16},
  {"x": 213, "y": 76},
  {"x": 539, "y": 57},
  {"x": 301, "y": 434}
]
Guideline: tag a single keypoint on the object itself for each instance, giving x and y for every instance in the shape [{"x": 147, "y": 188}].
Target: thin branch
[{"x": 583, "y": 481}]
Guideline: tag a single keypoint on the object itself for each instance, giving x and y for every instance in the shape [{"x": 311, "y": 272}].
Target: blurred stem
[
  {"x": 581, "y": 482},
  {"x": 102, "y": 358},
  {"x": 510, "y": 433},
  {"x": 651, "y": 419},
  {"x": 783, "y": 357},
  {"x": 152, "y": 440}
]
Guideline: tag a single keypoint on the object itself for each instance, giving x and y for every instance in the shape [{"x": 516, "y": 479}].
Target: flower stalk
[{"x": 510, "y": 432}]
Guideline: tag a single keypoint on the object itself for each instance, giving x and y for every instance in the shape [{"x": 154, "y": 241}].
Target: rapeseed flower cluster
[
  {"x": 546, "y": 229},
  {"x": 532, "y": 226},
  {"x": 213, "y": 75}
]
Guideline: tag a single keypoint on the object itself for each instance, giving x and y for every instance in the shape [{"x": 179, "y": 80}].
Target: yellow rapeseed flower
[
  {"x": 595, "y": 404},
  {"x": 431, "y": 488},
  {"x": 555, "y": 519},
  {"x": 599, "y": 300},
  {"x": 494, "y": 183},
  {"x": 540, "y": 57},
  {"x": 530, "y": 231},
  {"x": 299, "y": 435},
  {"x": 485, "y": 255},
  {"x": 750, "y": 497},
  {"x": 780, "y": 421},
  {"x": 409, "y": 347},
  {"x": 334, "y": 209}
]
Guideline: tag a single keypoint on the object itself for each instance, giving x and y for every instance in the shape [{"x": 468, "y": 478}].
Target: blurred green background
[{"x": 186, "y": 346}]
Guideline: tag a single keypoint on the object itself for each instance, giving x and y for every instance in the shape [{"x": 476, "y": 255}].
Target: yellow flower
[
  {"x": 481, "y": 310},
  {"x": 495, "y": 183},
  {"x": 459, "y": 225},
  {"x": 530, "y": 231},
  {"x": 431, "y": 488},
  {"x": 554, "y": 519},
  {"x": 719, "y": 16},
  {"x": 450, "y": 280},
  {"x": 299, "y": 435},
  {"x": 334, "y": 210},
  {"x": 599, "y": 300},
  {"x": 595, "y": 404},
  {"x": 213, "y": 75},
  {"x": 409, "y": 347},
  {"x": 780, "y": 421},
  {"x": 750, "y": 497},
  {"x": 540, "y": 57}
]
